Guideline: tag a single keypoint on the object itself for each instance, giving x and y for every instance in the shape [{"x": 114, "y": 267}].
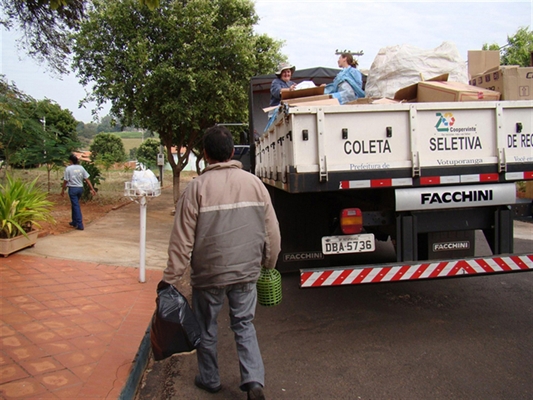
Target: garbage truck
[{"x": 368, "y": 193}]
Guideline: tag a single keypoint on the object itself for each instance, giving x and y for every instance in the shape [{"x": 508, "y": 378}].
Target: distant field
[
  {"x": 130, "y": 143},
  {"x": 132, "y": 139},
  {"x": 129, "y": 135}
]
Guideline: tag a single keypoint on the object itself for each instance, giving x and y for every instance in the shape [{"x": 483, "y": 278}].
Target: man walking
[
  {"x": 226, "y": 228},
  {"x": 73, "y": 178}
]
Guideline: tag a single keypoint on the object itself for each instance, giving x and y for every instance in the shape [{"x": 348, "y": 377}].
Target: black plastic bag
[{"x": 174, "y": 328}]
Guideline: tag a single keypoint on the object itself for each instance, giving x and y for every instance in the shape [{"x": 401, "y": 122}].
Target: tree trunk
[
  {"x": 176, "y": 185},
  {"x": 48, "y": 169}
]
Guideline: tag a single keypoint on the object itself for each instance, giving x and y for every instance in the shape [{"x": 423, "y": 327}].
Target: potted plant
[{"x": 22, "y": 207}]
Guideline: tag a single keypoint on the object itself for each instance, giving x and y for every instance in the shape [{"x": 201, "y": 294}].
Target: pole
[
  {"x": 142, "y": 247},
  {"x": 161, "y": 165}
]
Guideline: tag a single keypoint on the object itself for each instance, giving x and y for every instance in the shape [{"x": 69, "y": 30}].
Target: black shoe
[
  {"x": 200, "y": 385},
  {"x": 255, "y": 391},
  {"x": 72, "y": 224},
  {"x": 79, "y": 227}
]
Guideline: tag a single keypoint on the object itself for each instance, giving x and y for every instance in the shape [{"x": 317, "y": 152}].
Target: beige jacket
[{"x": 225, "y": 227}]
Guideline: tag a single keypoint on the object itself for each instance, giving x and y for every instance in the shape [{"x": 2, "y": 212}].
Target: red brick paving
[{"x": 69, "y": 329}]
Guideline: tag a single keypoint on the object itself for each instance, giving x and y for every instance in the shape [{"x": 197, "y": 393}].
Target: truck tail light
[{"x": 351, "y": 221}]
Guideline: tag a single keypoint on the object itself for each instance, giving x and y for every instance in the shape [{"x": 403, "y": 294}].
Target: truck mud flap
[{"x": 405, "y": 272}]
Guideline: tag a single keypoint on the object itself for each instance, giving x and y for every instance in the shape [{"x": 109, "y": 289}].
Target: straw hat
[{"x": 283, "y": 66}]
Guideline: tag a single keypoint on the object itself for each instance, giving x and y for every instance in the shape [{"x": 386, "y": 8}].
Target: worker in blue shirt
[{"x": 348, "y": 84}]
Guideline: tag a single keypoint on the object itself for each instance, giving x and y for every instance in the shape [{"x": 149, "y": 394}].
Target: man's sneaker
[
  {"x": 200, "y": 385},
  {"x": 255, "y": 391}
]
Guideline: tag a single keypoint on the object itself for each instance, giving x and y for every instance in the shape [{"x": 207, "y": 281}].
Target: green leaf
[{"x": 22, "y": 206}]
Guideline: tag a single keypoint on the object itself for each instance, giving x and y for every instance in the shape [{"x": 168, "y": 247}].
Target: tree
[
  {"x": 53, "y": 136},
  {"x": 176, "y": 70},
  {"x": 58, "y": 138},
  {"x": 107, "y": 149},
  {"x": 47, "y": 25},
  {"x": 34, "y": 132},
  {"x": 148, "y": 151},
  {"x": 14, "y": 117},
  {"x": 86, "y": 132},
  {"x": 108, "y": 124},
  {"x": 518, "y": 49}
]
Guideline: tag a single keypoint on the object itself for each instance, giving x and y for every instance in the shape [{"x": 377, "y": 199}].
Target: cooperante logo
[{"x": 445, "y": 122}]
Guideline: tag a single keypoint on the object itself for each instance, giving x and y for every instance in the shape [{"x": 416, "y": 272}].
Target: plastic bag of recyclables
[
  {"x": 396, "y": 67},
  {"x": 144, "y": 182}
]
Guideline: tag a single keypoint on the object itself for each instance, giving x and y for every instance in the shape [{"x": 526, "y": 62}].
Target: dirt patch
[{"x": 91, "y": 211}]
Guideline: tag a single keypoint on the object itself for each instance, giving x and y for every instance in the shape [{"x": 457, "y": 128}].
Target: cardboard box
[
  {"x": 512, "y": 81},
  {"x": 409, "y": 93},
  {"x": 291, "y": 94},
  {"x": 315, "y": 103},
  {"x": 373, "y": 100},
  {"x": 480, "y": 61},
  {"x": 323, "y": 99},
  {"x": 453, "y": 91}
]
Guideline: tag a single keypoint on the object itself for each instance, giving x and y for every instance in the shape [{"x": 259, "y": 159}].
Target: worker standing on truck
[
  {"x": 348, "y": 84},
  {"x": 225, "y": 228},
  {"x": 281, "y": 83}
]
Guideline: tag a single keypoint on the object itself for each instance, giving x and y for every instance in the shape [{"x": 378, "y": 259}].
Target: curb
[{"x": 138, "y": 366}]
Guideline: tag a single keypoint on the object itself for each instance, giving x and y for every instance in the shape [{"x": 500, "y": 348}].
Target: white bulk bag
[{"x": 398, "y": 66}]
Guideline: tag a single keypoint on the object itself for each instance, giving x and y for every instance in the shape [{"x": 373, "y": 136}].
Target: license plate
[{"x": 347, "y": 244}]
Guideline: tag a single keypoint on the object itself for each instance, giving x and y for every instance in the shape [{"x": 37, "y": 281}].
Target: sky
[{"x": 312, "y": 31}]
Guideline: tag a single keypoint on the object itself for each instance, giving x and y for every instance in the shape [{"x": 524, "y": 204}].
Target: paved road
[
  {"x": 114, "y": 239},
  {"x": 461, "y": 338}
]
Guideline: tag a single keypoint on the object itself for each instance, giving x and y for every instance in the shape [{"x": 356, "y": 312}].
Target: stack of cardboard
[
  {"x": 512, "y": 81},
  {"x": 310, "y": 96},
  {"x": 439, "y": 89}
]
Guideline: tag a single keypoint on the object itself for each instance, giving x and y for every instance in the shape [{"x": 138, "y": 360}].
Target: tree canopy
[
  {"x": 52, "y": 145},
  {"x": 34, "y": 132},
  {"x": 148, "y": 151},
  {"x": 107, "y": 148},
  {"x": 176, "y": 70},
  {"x": 47, "y": 24},
  {"x": 518, "y": 49}
]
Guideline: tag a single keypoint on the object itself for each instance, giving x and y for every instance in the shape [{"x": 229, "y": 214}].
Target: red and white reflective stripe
[
  {"x": 519, "y": 176},
  {"x": 445, "y": 180},
  {"x": 441, "y": 269},
  {"x": 436, "y": 180},
  {"x": 372, "y": 183}
]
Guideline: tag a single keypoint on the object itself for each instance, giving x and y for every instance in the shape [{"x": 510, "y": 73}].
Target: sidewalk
[{"x": 73, "y": 315}]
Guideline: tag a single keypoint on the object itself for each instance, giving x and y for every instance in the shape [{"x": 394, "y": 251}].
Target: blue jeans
[
  {"x": 207, "y": 304},
  {"x": 75, "y": 195}
]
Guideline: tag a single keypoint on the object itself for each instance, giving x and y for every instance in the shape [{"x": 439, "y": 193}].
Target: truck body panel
[
  {"x": 425, "y": 177},
  {"x": 414, "y": 140}
]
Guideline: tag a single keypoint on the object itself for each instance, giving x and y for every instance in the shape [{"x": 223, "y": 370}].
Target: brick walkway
[{"x": 68, "y": 329}]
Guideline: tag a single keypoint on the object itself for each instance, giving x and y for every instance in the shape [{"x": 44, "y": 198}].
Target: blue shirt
[
  {"x": 347, "y": 85},
  {"x": 275, "y": 90}
]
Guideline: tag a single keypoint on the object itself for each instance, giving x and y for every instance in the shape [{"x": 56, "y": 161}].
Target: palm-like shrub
[{"x": 22, "y": 206}]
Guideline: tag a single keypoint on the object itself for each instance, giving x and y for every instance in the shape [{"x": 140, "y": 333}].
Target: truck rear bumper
[{"x": 405, "y": 272}]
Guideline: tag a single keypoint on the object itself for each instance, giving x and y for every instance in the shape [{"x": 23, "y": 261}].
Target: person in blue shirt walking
[
  {"x": 73, "y": 178},
  {"x": 348, "y": 84}
]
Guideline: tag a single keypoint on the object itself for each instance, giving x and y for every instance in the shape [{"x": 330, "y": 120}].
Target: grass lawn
[{"x": 110, "y": 189}]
